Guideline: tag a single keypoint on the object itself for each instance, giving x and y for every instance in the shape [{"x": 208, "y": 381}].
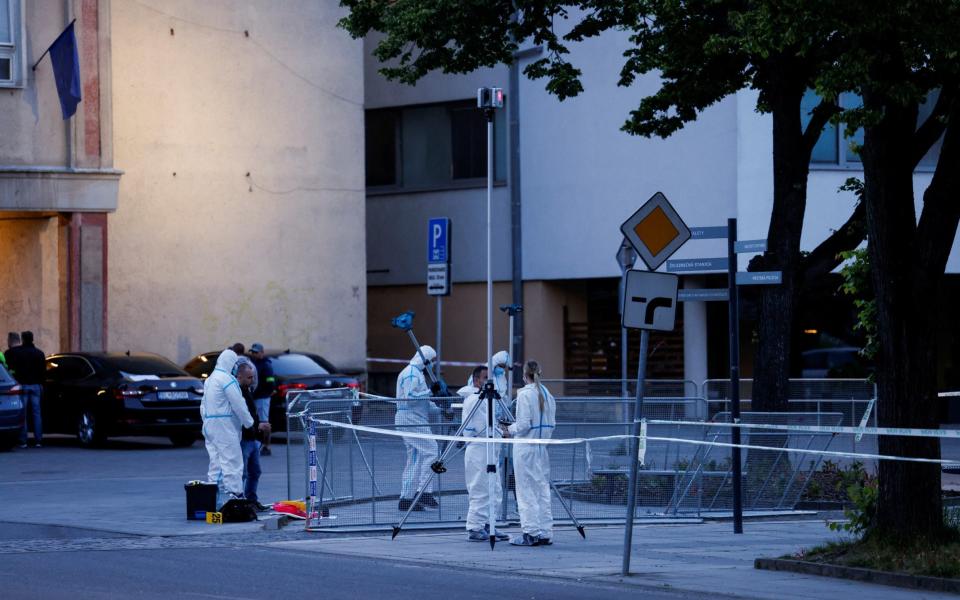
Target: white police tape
[
  {"x": 643, "y": 439},
  {"x": 894, "y": 431}
]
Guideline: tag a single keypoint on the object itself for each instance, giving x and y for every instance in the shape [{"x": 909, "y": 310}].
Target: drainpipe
[{"x": 516, "y": 229}]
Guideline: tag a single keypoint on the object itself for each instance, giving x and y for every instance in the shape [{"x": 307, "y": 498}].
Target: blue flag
[{"x": 66, "y": 70}]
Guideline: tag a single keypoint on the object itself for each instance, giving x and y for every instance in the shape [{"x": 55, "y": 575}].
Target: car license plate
[
  {"x": 10, "y": 403},
  {"x": 173, "y": 395}
]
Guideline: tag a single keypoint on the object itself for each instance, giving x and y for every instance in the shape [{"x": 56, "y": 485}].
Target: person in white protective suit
[
  {"x": 475, "y": 464},
  {"x": 501, "y": 362},
  {"x": 535, "y": 418},
  {"x": 478, "y": 374},
  {"x": 414, "y": 408},
  {"x": 224, "y": 414}
]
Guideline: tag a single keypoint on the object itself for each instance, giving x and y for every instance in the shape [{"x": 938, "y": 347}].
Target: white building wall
[
  {"x": 239, "y": 126},
  {"x": 582, "y": 176}
]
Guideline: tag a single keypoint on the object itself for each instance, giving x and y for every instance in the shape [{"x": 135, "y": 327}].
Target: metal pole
[
  {"x": 624, "y": 351},
  {"x": 734, "y": 374},
  {"x": 634, "y": 450},
  {"x": 513, "y": 360},
  {"x": 491, "y": 467},
  {"x": 439, "y": 332}
]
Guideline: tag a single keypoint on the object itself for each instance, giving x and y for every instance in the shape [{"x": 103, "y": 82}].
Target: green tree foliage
[{"x": 893, "y": 53}]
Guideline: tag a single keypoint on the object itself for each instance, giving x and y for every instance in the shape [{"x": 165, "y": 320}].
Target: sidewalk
[{"x": 702, "y": 558}]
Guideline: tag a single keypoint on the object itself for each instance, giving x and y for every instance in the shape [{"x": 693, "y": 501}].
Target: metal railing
[{"x": 359, "y": 472}]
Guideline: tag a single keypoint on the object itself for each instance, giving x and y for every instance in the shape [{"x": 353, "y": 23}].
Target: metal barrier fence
[{"x": 359, "y": 473}]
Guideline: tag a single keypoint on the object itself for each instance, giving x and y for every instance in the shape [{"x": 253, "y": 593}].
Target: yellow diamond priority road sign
[{"x": 656, "y": 231}]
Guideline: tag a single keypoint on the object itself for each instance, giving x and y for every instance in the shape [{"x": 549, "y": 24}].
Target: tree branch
[
  {"x": 931, "y": 129},
  {"x": 941, "y": 207},
  {"x": 818, "y": 119},
  {"x": 826, "y": 257}
]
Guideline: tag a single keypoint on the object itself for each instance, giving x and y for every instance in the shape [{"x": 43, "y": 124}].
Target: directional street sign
[
  {"x": 438, "y": 279},
  {"x": 759, "y": 278},
  {"x": 650, "y": 301},
  {"x": 697, "y": 264},
  {"x": 709, "y": 233},
  {"x": 438, "y": 240},
  {"x": 750, "y": 246},
  {"x": 656, "y": 231},
  {"x": 703, "y": 295}
]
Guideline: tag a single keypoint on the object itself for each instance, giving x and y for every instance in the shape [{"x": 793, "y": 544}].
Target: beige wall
[
  {"x": 464, "y": 324},
  {"x": 242, "y": 205},
  {"x": 30, "y": 288}
]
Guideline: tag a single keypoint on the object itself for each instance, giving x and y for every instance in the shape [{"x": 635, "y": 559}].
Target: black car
[
  {"x": 11, "y": 410},
  {"x": 292, "y": 371},
  {"x": 101, "y": 394}
]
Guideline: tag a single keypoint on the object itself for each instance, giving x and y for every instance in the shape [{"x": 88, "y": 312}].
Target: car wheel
[
  {"x": 183, "y": 440},
  {"x": 89, "y": 431}
]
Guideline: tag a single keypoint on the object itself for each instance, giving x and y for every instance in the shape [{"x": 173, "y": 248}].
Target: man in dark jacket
[
  {"x": 27, "y": 365},
  {"x": 249, "y": 439},
  {"x": 264, "y": 389}
]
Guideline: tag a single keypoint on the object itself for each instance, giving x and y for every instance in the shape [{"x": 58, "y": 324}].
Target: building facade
[
  {"x": 58, "y": 183},
  {"x": 208, "y": 190}
]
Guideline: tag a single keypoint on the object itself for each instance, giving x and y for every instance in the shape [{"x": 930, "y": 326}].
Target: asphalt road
[{"x": 70, "y": 569}]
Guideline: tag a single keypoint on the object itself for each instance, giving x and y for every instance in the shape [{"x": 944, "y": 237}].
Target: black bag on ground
[{"x": 238, "y": 510}]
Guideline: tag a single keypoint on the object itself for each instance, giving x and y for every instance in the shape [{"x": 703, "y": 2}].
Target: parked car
[
  {"x": 10, "y": 410},
  {"x": 844, "y": 361},
  {"x": 293, "y": 371},
  {"x": 101, "y": 394}
]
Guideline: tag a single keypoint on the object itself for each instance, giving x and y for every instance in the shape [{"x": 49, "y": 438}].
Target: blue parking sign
[{"x": 438, "y": 240}]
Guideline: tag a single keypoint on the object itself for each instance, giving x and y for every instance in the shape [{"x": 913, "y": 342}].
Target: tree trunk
[
  {"x": 909, "y": 503},
  {"x": 777, "y": 306}
]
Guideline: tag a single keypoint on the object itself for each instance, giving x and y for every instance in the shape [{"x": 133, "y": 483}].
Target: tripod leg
[
  {"x": 569, "y": 511},
  {"x": 446, "y": 452}
]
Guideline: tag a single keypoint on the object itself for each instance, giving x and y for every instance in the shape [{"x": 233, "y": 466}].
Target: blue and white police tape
[
  {"x": 894, "y": 431},
  {"x": 644, "y": 439}
]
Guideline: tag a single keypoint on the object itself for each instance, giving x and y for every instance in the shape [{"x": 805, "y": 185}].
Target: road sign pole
[
  {"x": 634, "y": 451},
  {"x": 623, "y": 344},
  {"x": 439, "y": 331},
  {"x": 734, "y": 373}
]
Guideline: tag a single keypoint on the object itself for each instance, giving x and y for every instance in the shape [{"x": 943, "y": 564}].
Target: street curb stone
[{"x": 916, "y": 582}]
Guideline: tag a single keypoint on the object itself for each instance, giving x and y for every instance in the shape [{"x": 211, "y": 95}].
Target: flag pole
[{"x": 47, "y": 51}]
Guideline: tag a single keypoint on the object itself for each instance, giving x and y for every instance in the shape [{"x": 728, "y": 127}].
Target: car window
[
  {"x": 293, "y": 364},
  {"x": 64, "y": 368},
  {"x": 202, "y": 365},
  {"x": 144, "y": 366},
  {"x": 5, "y": 376}
]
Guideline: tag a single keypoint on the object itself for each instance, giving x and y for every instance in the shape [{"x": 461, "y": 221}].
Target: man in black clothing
[
  {"x": 249, "y": 439},
  {"x": 27, "y": 365},
  {"x": 264, "y": 389}
]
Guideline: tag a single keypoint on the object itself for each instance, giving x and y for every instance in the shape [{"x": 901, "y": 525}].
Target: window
[
  {"x": 834, "y": 147},
  {"x": 67, "y": 368},
  {"x": 11, "y": 52},
  {"x": 293, "y": 365},
  {"x": 432, "y": 146}
]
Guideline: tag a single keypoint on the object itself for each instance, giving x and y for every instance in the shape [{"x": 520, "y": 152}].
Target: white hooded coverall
[
  {"x": 224, "y": 413},
  {"x": 499, "y": 376},
  {"x": 531, "y": 462},
  {"x": 475, "y": 465},
  {"x": 413, "y": 408}
]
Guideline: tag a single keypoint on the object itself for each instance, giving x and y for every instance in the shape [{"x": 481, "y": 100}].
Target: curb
[{"x": 916, "y": 582}]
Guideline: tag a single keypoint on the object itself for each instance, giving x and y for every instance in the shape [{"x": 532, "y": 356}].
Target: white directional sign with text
[
  {"x": 438, "y": 279},
  {"x": 650, "y": 300}
]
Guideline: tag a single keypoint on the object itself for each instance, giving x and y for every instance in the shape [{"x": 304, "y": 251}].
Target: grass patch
[{"x": 930, "y": 558}]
